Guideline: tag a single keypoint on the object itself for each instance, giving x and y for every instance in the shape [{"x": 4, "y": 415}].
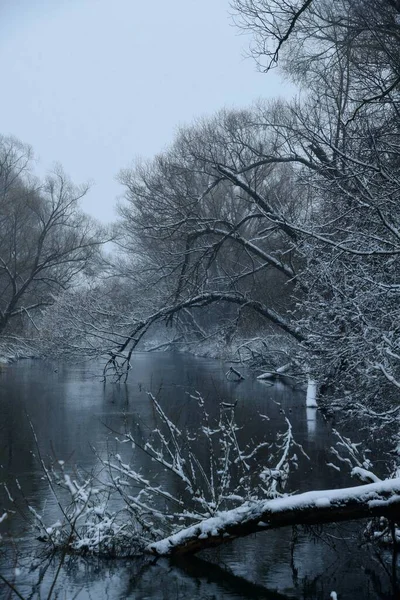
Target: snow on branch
[
  {"x": 325, "y": 506},
  {"x": 123, "y": 508}
]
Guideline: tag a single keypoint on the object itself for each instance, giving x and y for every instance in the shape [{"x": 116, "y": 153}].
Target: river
[{"x": 75, "y": 417}]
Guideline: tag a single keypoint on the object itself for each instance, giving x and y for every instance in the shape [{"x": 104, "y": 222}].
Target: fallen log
[
  {"x": 275, "y": 374},
  {"x": 310, "y": 508}
]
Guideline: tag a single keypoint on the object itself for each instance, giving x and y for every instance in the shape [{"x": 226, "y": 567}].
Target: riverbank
[
  {"x": 12, "y": 351},
  {"x": 259, "y": 353}
]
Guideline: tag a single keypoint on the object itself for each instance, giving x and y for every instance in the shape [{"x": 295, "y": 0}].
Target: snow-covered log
[
  {"x": 266, "y": 375},
  {"x": 310, "y": 508},
  {"x": 274, "y": 374}
]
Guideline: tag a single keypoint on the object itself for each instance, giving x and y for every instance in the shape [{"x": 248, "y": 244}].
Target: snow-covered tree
[{"x": 45, "y": 240}]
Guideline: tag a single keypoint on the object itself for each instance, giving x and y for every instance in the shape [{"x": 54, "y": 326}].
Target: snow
[
  {"x": 272, "y": 374},
  {"x": 253, "y": 511},
  {"x": 322, "y": 502},
  {"x": 333, "y": 466},
  {"x": 267, "y": 375},
  {"x": 364, "y": 475}
]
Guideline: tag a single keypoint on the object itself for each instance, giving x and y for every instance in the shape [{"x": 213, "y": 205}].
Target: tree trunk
[{"x": 311, "y": 508}]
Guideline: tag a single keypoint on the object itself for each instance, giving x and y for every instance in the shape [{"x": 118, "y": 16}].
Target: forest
[{"x": 269, "y": 236}]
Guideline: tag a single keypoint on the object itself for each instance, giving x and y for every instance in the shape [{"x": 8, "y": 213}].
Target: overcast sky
[{"x": 93, "y": 84}]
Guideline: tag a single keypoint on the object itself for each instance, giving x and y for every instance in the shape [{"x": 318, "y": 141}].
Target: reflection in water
[
  {"x": 311, "y": 416},
  {"x": 74, "y": 413}
]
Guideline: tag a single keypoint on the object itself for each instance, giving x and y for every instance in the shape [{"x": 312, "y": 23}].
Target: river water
[{"x": 75, "y": 417}]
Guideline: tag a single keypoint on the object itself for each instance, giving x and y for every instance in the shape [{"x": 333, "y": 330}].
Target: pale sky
[{"x": 93, "y": 84}]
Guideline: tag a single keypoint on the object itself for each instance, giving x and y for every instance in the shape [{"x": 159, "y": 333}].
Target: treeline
[
  {"x": 275, "y": 227},
  {"x": 46, "y": 242}
]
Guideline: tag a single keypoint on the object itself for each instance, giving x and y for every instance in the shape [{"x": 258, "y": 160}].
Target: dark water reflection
[{"x": 73, "y": 412}]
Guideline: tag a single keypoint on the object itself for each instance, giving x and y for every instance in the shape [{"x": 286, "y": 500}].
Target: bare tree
[
  {"x": 343, "y": 135},
  {"x": 284, "y": 216},
  {"x": 46, "y": 241}
]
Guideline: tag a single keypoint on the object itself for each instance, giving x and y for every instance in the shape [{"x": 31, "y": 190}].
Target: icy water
[{"x": 75, "y": 416}]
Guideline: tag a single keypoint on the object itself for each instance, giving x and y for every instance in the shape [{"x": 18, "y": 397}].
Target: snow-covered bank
[
  {"x": 10, "y": 352},
  {"x": 264, "y": 353}
]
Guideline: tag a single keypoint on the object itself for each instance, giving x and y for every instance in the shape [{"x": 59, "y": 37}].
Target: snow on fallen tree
[
  {"x": 217, "y": 489},
  {"x": 275, "y": 374},
  {"x": 310, "y": 508}
]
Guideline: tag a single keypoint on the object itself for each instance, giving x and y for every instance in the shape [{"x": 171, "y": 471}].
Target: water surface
[{"x": 75, "y": 417}]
